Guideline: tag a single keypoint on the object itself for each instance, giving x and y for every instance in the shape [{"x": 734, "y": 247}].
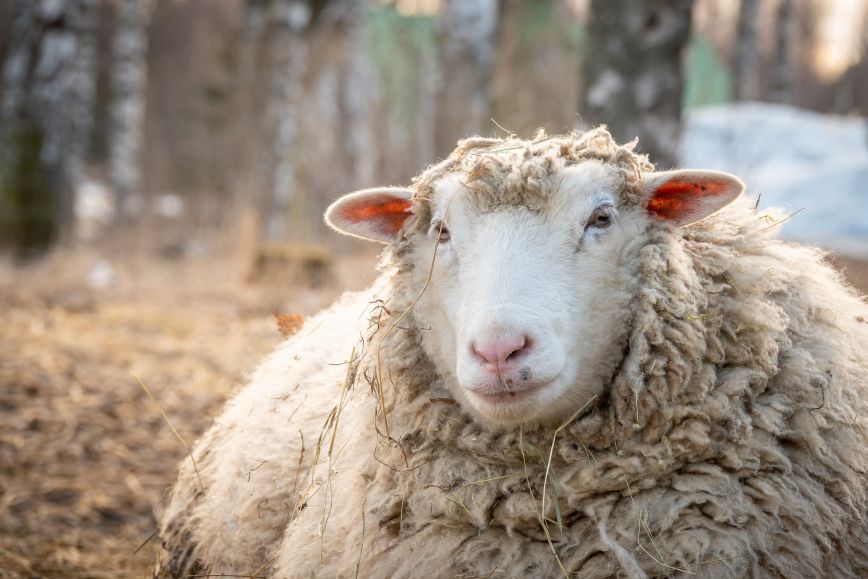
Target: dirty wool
[{"x": 730, "y": 441}]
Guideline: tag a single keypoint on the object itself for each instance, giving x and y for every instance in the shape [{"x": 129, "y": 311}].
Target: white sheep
[{"x": 570, "y": 365}]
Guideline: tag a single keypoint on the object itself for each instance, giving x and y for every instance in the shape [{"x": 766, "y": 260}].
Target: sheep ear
[
  {"x": 375, "y": 214},
  {"x": 686, "y": 196}
]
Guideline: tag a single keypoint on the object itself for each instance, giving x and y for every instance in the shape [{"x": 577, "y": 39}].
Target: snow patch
[
  {"x": 94, "y": 208},
  {"x": 794, "y": 159}
]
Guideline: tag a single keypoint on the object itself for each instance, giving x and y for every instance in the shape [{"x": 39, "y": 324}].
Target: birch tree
[
  {"x": 129, "y": 85},
  {"x": 782, "y": 72},
  {"x": 466, "y": 37},
  {"x": 358, "y": 93},
  {"x": 427, "y": 107},
  {"x": 633, "y": 73},
  {"x": 248, "y": 100},
  {"x": 745, "y": 76},
  {"x": 289, "y": 19},
  {"x": 49, "y": 86}
]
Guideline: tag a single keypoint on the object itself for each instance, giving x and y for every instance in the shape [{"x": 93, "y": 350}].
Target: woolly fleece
[{"x": 730, "y": 443}]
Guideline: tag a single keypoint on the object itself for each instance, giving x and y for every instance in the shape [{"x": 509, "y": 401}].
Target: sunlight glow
[
  {"x": 839, "y": 37},
  {"x": 415, "y": 7}
]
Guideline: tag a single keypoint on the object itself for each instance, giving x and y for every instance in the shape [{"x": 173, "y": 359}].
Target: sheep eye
[
  {"x": 439, "y": 228},
  {"x": 600, "y": 219}
]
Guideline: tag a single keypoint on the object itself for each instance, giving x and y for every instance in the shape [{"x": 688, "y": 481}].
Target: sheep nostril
[
  {"x": 518, "y": 352},
  {"x": 500, "y": 351}
]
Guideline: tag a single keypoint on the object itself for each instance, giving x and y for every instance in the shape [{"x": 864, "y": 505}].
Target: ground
[{"x": 86, "y": 456}]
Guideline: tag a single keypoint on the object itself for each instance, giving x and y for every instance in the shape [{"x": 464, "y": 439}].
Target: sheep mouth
[{"x": 501, "y": 396}]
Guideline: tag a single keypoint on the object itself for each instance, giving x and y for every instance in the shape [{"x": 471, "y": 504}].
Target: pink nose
[{"x": 500, "y": 354}]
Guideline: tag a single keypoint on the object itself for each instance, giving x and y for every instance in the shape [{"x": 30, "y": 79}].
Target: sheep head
[{"x": 529, "y": 246}]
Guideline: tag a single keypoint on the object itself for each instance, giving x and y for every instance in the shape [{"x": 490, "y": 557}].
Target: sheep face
[
  {"x": 525, "y": 304},
  {"x": 527, "y": 309}
]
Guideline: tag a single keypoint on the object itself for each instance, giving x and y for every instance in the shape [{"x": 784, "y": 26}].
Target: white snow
[
  {"x": 793, "y": 159},
  {"x": 94, "y": 208}
]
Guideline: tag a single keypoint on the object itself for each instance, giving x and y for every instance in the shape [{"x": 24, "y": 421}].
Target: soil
[{"x": 86, "y": 456}]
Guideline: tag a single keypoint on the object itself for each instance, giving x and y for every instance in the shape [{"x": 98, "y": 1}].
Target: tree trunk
[
  {"x": 129, "y": 86},
  {"x": 466, "y": 33},
  {"x": 358, "y": 92},
  {"x": 248, "y": 100},
  {"x": 49, "y": 80},
  {"x": 782, "y": 72},
  {"x": 427, "y": 107},
  {"x": 633, "y": 72},
  {"x": 745, "y": 76},
  {"x": 289, "y": 19}
]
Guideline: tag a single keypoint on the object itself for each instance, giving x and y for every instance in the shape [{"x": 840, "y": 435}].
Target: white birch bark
[
  {"x": 745, "y": 75},
  {"x": 426, "y": 123},
  {"x": 467, "y": 33},
  {"x": 17, "y": 63},
  {"x": 289, "y": 53},
  {"x": 782, "y": 70},
  {"x": 635, "y": 86},
  {"x": 250, "y": 166},
  {"x": 129, "y": 86},
  {"x": 359, "y": 93},
  {"x": 49, "y": 90}
]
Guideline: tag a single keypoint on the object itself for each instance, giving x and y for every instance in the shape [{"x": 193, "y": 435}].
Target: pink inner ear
[
  {"x": 385, "y": 212},
  {"x": 676, "y": 199}
]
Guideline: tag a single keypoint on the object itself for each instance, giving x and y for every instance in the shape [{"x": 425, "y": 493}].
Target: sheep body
[
  {"x": 731, "y": 441},
  {"x": 254, "y": 459}
]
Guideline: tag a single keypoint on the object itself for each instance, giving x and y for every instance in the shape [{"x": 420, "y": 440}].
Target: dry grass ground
[{"x": 85, "y": 456}]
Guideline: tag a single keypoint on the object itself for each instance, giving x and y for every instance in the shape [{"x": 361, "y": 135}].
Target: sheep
[{"x": 570, "y": 365}]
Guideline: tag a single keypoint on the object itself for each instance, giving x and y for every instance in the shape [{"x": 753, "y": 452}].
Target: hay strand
[{"x": 174, "y": 430}]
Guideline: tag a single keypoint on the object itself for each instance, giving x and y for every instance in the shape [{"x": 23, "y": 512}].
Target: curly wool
[
  {"x": 519, "y": 172},
  {"x": 730, "y": 443}
]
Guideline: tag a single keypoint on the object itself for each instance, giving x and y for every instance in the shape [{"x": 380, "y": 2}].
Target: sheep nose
[{"x": 500, "y": 354}]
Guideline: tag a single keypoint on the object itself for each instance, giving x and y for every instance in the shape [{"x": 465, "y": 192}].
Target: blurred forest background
[
  {"x": 164, "y": 166},
  {"x": 114, "y": 111}
]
